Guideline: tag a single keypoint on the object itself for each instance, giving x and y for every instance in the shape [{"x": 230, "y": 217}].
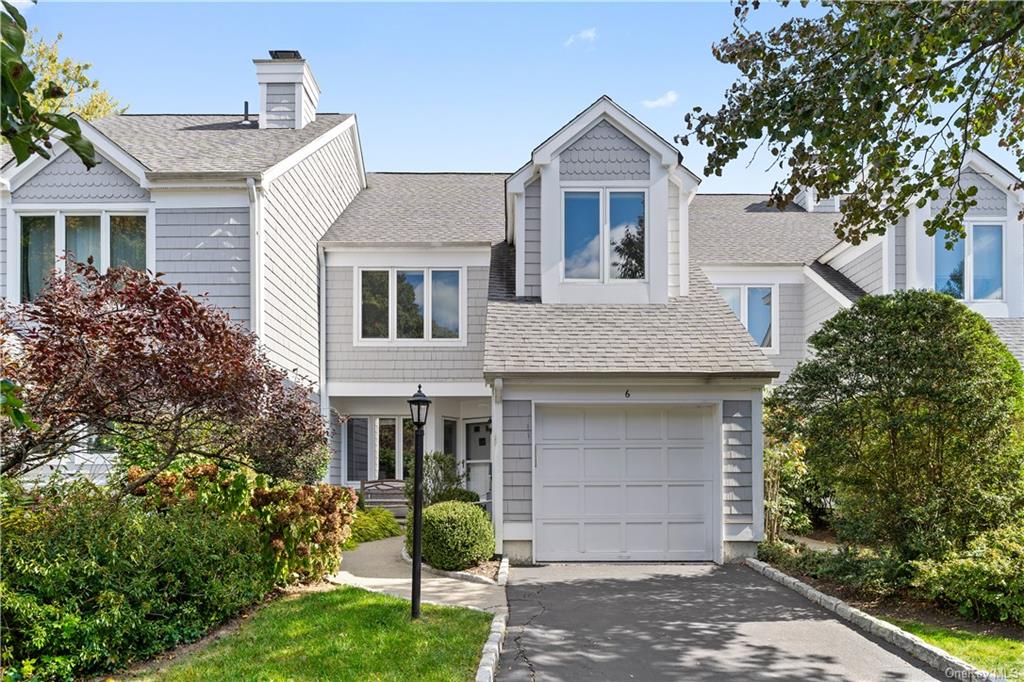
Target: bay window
[
  {"x": 603, "y": 235},
  {"x": 406, "y": 305},
  {"x": 754, "y": 306},
  {"x": 972, "y": 269},
  {"x": 49, "y": 240}
]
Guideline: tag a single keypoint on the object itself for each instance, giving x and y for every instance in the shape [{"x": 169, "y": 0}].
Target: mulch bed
[
  {"x": 905, "y": 608},
  {"x": 488, "y": 569}
]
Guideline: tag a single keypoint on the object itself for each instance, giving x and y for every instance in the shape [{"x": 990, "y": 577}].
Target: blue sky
[{"x": 436, "y": 86}]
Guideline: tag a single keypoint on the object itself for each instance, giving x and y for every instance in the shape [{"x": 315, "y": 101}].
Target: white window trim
[
  {"x": 393, "y": 340},
  {"x": 969, "y": 259},
  {"x": 773, "y": 349},
  {"x": 604, "y": 192},
  {"x": 59, "y": 213},
  {"x": 373, "y": 446}
]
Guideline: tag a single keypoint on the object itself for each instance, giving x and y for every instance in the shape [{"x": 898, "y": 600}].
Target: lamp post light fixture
[{"x": 419, "y": 407}]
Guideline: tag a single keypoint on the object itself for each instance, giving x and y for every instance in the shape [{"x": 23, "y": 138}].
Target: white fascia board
[
  {"x": 296, "y": 157},
  {"x": 754, "y": 274},
  {"x": 401, "y": 256},
  {"x": 606, "y": 109},
  {"x": 16, "y": 176},
  {"x": 584, "y": 390},
  {"x": 1003, "y": 179},
  {"x": 827, "y": 287},
  {"x": 517, "y": 182},
  {"x": 193, "y": 197},
  {"x": 400, "y": 389}
]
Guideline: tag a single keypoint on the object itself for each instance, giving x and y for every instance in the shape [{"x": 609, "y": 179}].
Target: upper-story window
[
  {"x": 755, "y": 308},
  {"x": 603, "y": 235},
  {"x": 973, "y": 269},
  {"x": 110, "y": 239},
  {"x": 410, "y": 304}
]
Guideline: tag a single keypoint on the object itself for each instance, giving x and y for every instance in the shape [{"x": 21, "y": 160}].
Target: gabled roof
[
  {"x": 206, "y": 144},
  {"x": 424, "y": 208},
  {"x": 603, "y": 108},
  {"x": 743, "y": 229},
  {"x": 695, "y": 335}
]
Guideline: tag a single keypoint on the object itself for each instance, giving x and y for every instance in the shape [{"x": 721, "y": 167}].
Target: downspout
[
  {"x": 325, "y": 398},
  {"x": 255, "y": 256}
]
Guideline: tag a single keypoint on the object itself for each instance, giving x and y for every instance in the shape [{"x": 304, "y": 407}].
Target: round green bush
[
  {"x": 457, "y": 495},
  {"x": 456, "y": 535}
]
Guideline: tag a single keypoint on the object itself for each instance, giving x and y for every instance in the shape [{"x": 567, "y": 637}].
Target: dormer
[{"x": 599, "y": 214}]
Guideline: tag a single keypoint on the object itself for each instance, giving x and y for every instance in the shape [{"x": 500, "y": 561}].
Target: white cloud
[
  {"x": 587, "y": 35},
  {"x": 445, "y": 302},
  {"x": 585, "y": 262},
  {"x": 666, "y": 100}
]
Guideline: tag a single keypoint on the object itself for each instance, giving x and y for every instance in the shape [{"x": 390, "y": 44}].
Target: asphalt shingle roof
[
  {"x": 1011, "y": 331},
  {"x": 742, "y": 228},
  {"x": 410, "y": 208},
  {"x": 843, "y": 284},
  {"x": 697, "y": 334},
  {"x": 196, "y": 144}
]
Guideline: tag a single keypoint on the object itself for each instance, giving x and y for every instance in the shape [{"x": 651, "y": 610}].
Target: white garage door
[{"x": 624, "y": 483}]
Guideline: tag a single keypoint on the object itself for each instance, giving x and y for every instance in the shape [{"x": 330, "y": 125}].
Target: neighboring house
[{"x": 581, "y": 325}]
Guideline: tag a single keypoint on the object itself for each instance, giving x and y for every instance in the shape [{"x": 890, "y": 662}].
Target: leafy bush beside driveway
[{"x": 456, "y": 535}]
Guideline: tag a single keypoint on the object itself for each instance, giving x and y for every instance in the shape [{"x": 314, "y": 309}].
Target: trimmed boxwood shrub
[
  {"x": 985, "y": 580},
  {"x": 456, "y": 494},
  {"x": 372, "y": 524},
  {"x": 456, "y": 535}
]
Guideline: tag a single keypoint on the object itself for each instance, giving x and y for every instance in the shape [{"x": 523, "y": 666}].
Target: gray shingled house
[{"x": 594, "y": 331}]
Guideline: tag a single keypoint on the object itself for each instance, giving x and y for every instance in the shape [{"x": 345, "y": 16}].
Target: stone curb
[
  {"x": 503, "y": 572},
  {"x": 492, "y": 649},
  {"x": 459, "y": 575},
  {"x": 950, "y": 666}
]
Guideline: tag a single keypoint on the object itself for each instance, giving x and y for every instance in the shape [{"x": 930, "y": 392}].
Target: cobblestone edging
[
  {"x": 492, "y": 649},
  {"x": 465, "y": 575},
  {"x": 951, "y": 666}
]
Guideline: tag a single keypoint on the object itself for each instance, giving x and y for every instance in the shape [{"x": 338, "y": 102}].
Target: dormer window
[{"x": 603, "y": 234}]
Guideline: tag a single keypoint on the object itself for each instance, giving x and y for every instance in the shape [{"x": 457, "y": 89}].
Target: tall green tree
[
  {"x": 30, "y": 108},
  {"x": 83, "y": 93},
  {"x": 882, "y": 100}
]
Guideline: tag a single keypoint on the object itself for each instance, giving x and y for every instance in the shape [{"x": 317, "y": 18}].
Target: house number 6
[{"x": 627, "y": 393}]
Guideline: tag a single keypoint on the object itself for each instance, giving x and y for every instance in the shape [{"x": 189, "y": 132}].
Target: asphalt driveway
[{"x": 681, "y": 622}]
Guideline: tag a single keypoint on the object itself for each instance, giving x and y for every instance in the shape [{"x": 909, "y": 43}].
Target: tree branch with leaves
[{"x": 876, "y": 102}]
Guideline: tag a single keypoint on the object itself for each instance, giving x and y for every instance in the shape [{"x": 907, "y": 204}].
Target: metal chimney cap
[{"x": 285, "y": 54}]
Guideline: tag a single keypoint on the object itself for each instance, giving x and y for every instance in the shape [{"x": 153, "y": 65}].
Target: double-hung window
[
  {"x": 405, "y": 305},
  {"x": 603, "y": 235},
  {"x": 973, "y": 269},
  {"x": 754, "y": 305},
  {"x": 104, "y": 238}
]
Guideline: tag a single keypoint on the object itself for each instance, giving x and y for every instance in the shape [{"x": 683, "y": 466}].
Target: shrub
[
  {"x": 985, "y": 580},
  {"x": 456, "y": 495},
  {"x": 91, "y": 584},
  {"x": 440, "y": 474},
  {"x": 911, "y": 410},
  {"x": 456, "y": 535},
  {"x": 866, "y": 572},
  {"x": 372, "y": 524}
]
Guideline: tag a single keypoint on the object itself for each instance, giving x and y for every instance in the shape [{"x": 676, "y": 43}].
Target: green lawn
[
  {"x": 992, "y": 654},
  {"x": 344, "y": 634}
]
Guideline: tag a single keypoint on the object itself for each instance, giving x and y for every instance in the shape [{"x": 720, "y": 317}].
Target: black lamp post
[{"x": 419, "y": 406}]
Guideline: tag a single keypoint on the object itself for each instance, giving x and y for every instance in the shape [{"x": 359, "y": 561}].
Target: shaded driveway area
[{"x": 681, "y": 622}]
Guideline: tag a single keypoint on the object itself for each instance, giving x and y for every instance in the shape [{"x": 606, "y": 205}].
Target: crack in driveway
[{"x": 521, "y": 654}]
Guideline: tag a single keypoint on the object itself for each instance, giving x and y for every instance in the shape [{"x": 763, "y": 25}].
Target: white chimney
[{"x": 288, "y": 92}]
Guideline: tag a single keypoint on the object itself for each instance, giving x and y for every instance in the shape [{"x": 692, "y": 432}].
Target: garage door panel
[
  {"x": 560, "y": 500},
  {"x": 687, "y": 462},
  {"x": 602, "y": 424},
  {"x": 602, "y": 500},
  {"x": 602, "y": 537},
  {"x": 645, "y": 463},
  {"x": 646, "y": 499},
  {"x": 644, "y": 425},
  {"x": 602, "y": 464},
  {"x": 689, "y": 499},
  {"x": 558, "y": 463},
  {"x": 626, "y": 482}
]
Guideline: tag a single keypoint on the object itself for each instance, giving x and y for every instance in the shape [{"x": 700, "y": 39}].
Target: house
[{"x": 595, "y": 333}]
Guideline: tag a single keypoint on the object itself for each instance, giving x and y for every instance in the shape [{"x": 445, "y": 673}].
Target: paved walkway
[
  {"x": 693, "y": 622},
  {"x": 379, "y": 566}
]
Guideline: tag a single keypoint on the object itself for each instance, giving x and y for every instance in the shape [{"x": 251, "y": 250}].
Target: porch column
[{"x": 497, "y": 467}]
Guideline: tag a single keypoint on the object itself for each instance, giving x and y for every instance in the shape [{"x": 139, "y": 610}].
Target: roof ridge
[{"x": 438, "y": 173}]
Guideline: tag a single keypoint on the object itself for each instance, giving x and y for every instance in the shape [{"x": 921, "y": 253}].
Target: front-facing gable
[
  {"x": 66, "y": 179},
  {"x": 602, "y": 167}
]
